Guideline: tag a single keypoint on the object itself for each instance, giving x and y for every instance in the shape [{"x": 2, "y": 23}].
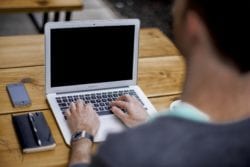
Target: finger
[
  {"x": 79, "y": 105},
  {"x": 123, "y": 98},
  {"x": 89, "y": 106},
  {"x": 118, "y": 112},
  {"x": 127, "y": 98},
  {"x": 72, "y": 106},
  {"x": 134, "y": 99},
  {"x": 120, "y": 104},
  {"x": 90, "y": 109},
  {"x": 80, "y": 101},
  {"x": 67, "y": 113}
]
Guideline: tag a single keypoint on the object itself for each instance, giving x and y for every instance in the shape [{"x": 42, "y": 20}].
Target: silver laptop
[{"x": 96, "y": 61}]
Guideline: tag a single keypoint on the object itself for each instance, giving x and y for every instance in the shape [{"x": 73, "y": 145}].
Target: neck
[{"x": 216, "y": 88}]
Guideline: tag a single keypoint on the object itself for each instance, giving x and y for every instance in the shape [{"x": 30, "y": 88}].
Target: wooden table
[
  {"x": 161, "y": 71},
  {"x": 45, "y": 6}
]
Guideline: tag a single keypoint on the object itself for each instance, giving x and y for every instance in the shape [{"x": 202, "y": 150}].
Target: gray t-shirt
[{"x": 176, "y": 142}]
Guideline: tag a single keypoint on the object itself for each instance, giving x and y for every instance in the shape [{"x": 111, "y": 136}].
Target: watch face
[{"x": 77, "y": 135}]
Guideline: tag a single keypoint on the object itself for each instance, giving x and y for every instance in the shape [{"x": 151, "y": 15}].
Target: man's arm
[
  {"x": 80, "y": 152},
  {"x": 82, "y": 117}
]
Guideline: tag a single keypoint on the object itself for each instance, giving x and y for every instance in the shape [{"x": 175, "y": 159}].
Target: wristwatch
[{"x": 81, "y": 134}]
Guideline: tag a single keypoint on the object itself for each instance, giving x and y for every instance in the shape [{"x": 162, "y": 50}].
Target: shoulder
[
  {"x": 136, "y": 146},
  {"x": 172, "y": 140},
  {"x": 145, "y": 133}
]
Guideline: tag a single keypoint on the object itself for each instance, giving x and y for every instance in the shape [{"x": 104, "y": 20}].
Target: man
[{"x": 212, "y": 37}]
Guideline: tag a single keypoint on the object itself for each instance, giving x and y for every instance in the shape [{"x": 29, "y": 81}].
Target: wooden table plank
[
  {"x": 160, "y": 80},
  {"x": 11, "y": 154},
  {"x": 34, "y": 78},
  {"x": 163, "y": 102},
  {"x": 7, "y": 6},
  {"x": 21, "y": 51},
  {"x": 154, "y": 43},
  {"x": 165, "y": 78}
]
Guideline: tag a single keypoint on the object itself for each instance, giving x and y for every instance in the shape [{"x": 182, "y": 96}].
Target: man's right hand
[
  {"x": 129, "y": 110},
  {"x": 82, "y": 117}
]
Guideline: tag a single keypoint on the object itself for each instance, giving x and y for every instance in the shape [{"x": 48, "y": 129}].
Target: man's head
[{"x": 226, "y": 23}]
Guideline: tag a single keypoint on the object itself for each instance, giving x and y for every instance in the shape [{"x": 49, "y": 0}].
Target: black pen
[{"x": 32, "y": 121}]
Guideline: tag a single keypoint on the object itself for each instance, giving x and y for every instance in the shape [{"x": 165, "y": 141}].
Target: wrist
[{"x": 80, "y": 151}]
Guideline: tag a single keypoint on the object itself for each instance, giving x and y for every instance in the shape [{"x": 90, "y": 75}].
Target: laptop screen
[{"x": 91, "y": 55}]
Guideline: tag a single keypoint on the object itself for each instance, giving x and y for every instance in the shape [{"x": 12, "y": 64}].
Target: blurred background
[{"x": 152, "y": 13}]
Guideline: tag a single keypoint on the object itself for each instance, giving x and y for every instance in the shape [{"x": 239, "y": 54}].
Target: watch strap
[
  {"x": 81, "y": 134},
  {"x": 89, "y": 136}
]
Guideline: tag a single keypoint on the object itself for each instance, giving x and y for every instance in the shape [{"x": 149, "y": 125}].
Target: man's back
[{"x": 171, "y": 141}]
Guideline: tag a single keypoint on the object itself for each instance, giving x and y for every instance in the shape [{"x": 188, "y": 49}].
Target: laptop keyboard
[{"x": 99, "y": 101}]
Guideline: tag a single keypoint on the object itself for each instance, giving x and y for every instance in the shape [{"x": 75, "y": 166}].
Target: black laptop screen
[{"x": 91, "y": 55}]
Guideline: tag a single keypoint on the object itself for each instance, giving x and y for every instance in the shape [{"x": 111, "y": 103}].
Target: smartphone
[{"x": 18, "y": 94}]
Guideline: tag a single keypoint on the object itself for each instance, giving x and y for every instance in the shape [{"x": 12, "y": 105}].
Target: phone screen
[{"x": 18, "y": 94}]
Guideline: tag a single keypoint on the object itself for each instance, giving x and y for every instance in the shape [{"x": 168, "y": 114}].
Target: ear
[{"x": 195, "y": 28}]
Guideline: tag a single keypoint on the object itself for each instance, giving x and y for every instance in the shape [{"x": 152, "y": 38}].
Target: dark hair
[{"x": 228, "y": 25}]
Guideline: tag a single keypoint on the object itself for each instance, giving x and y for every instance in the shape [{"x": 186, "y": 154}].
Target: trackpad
[{"x": 109, "y": 124}]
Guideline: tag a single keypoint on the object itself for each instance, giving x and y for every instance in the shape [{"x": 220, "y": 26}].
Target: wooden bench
[{"x": 45, "y": 6}]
